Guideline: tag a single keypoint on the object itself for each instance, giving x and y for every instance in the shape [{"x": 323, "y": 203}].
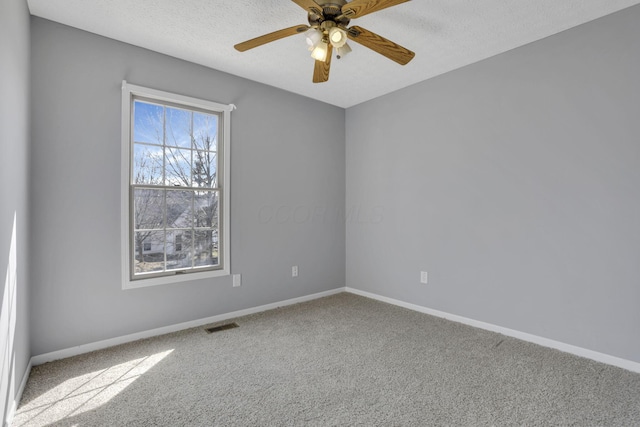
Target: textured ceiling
[{"x": 444, "y": 34}]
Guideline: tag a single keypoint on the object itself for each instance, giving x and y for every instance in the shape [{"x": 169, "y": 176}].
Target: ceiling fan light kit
[
  {"x": 338, "y": 37},
  {"x": 328, "y": 30},
  {"x": 342, "y": 51},
  {"x": 314, "y": 36},
  {"x": 320, "y": 51}
]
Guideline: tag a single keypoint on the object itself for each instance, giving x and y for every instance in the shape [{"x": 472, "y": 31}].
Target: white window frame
[{"x": 128, "y": 92}]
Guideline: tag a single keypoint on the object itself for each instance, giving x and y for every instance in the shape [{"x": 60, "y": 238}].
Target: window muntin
[{"x": 177, "y": 187}]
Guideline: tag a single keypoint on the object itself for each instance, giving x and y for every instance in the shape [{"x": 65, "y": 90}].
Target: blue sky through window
[
  {"x": 157, "y": 124},
  {"x": 148, "y": 123}
]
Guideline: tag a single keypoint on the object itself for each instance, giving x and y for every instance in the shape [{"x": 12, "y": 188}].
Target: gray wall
[
  {"x": 515, "y": 182},
  {"x": 278, "y": 162},
  {"x": 14, "y": 150}
]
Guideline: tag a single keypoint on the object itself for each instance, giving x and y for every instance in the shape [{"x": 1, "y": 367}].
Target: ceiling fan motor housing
[{"x": 331, "y": 13}]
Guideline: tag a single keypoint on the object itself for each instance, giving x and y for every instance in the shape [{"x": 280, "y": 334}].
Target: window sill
[{"x": 178, "y": 278}]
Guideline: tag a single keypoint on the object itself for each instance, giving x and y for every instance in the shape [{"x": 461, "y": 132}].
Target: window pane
[
  {"x": 178, "y": 167},
  {"x": 147, "y": 164},
  {"x": 206, "y": 209},
  {"x": 149, "y": 251},
  {"x": 148, "y": 123},
  {"x": 178, "y": 128},
  {"x": 179, "y": 249},
  {"x": 179, "y": 209},
  {"x": 205, "y": 131},
  {"x": 206, "y": 248},
  {"x": 148, "y": 208},
  {"x": 205, "y": 164}
]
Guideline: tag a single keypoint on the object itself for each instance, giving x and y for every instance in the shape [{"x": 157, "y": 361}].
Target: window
[{"x": 175, "y": 187}]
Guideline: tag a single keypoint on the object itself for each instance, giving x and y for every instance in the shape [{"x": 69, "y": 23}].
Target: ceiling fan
[{"x": 328, "y": 29}]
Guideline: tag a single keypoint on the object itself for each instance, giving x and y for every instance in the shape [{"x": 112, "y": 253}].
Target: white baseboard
[
  {"x": 545, "y": 342},
  {"x": 86, "y": 348}
]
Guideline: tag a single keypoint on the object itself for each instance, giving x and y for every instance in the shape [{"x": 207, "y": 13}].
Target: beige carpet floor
[{"x": 338, "y": 361}]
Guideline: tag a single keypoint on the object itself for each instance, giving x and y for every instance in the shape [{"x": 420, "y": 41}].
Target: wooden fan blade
[
  {"x": 310, "y": 6},
  {"x": 276, "y": 35},
  {"x": 321, "y": 68},
  {"x": 358, "y": 8},
  {"x": 379, "y": 44}
]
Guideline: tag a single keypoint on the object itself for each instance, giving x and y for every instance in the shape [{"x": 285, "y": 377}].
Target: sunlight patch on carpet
[{"x": 85, "y": 392}]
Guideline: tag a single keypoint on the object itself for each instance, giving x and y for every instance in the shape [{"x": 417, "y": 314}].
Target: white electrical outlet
[
  {"x": 237, "y": 280},
  {"x": 424, "y": 278},
  {"x": 294, "y": 271}
]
